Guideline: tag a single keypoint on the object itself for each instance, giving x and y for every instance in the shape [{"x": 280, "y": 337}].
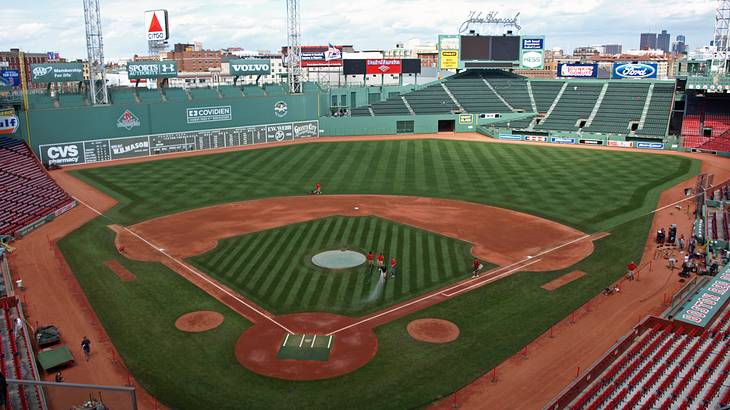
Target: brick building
[
  {"x": 12, "y": 57},
  {"x": 191, "y": 59}
]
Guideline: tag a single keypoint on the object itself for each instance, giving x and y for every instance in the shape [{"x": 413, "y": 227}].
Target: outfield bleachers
[
  {"x": 392, "y": 106},
  {"x": 544, "y": 93},
  {"x": 514, "y": 91},
  {"x": 576, "y": 102},
  {"x": 474, "y": 95},
  {"x": 657, "y": 117},
  {"x": 430, "y": 100},
  {"x": 360, "y": 112},
  {"x": 622, "y": 104}
]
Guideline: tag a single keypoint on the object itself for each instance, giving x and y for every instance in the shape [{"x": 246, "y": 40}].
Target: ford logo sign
[{"x": 638, "y": 70}]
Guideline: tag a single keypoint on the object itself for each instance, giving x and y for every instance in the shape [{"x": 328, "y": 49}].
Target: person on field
[
  {"x": 631, "y": 271},
  {"x": 393, "y": 265},
  {"x": 59, "y": 377},
  {"x": 371, "y": 261},
  {"x": 681, "y": 243},
  {"x": 86, "y": 347},
  {"x": 317, "y": 189},
  {"x": 476, "y": 265},
  {"x": 381, "y": 260},
  {"x": 383, "y": 272}
]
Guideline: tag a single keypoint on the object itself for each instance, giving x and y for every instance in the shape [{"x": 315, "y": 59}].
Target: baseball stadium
[{"x": 482, "y": 240}]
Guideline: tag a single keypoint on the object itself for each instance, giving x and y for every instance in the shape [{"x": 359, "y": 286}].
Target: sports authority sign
[
  {"x": 209, "y": 114},
  {"x": 151, "y": 69},
  {"x": 383, "y": 66},
  {"x": 156, "y": 24}
]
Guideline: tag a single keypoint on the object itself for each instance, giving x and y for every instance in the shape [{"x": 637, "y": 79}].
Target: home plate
[{"x": 357, "y": 207}]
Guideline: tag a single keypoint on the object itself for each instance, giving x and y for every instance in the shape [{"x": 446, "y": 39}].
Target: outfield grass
[
  {"x": 586, "y": 189},
  {"x": 273, "y": 267},
  {"x": 589, "y": 189}
]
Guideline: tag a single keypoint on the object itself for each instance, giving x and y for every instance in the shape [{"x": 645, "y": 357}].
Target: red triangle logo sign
[{"x": 155, "y": 26}]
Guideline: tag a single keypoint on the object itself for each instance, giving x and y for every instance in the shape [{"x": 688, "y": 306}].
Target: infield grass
[
  {"x": 592, "y": 190},
  {"x": 274, "y": 267}
]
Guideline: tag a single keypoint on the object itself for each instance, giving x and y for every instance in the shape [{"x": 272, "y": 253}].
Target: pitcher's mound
[
  {"x": 201, "y": 321},
  {"x": 433, "y": 330}
]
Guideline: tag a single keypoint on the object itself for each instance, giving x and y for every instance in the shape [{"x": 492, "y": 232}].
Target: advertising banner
[
  {"x": 449, "y": 59},
  {"x": 321, "y": 56},
  {"x": 383, "y": 66},
  {"x": 511, "y": 137},
  {"x": 128, "y": 147},
  {"x": 9, "y": 78},
  {"x": 650, "y": 145},
  {"x": 534, "y": 59},
  {"x": 306, "y": 129},
  {"x": 536, "y": 138},
  {"x": 9, "y": 122},
  {"x": 578, "y": 70},
  {"x": 533, "y": 43},
  {"x": 634, "y": 70},
  {"x": 622, "y": 144},
  {"x": 208, "y": 114},
  {"x": 466, "y": 118},
  {"x": 590, "y": 142},
  {"x": 157, "y": 25},
  {"x": 56, "y": 72},
  {"x": 250, "y": 67},
  {"x": 151, "y": 69},
  {"x": 562, "y": 140}
]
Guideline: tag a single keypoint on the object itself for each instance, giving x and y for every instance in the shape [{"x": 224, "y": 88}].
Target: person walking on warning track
[
  {"x": 476, "y": 266},
  {"x": 393, "y": 264},
  {"x": 86, "y": 347},
  {"x": 371, "y": 261}
]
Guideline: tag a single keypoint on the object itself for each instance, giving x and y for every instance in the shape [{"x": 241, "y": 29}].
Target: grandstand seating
[
  {"x": 667, "y": 366},
  {"x": 514, "y": 91},
  {"x": 27, "y": 193},
  {"x": 576, "y": 102},
  {"x": 657, "y": 117},
  {"x": 622, "y": 103},
  {"x": 719, "y": 123},
  {"x": 392, "y": 106}
]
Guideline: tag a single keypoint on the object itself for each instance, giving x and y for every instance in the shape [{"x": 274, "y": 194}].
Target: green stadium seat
[
  {"x": 576, "y": 102},
  {"x": 622, "y": 104}
]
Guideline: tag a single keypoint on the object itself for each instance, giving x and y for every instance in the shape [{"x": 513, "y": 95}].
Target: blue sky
[{"x": 58, "y": 25}]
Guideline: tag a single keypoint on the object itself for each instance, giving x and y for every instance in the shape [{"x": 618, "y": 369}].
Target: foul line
[
  {"x": 489, "y": 279},
  {"x": 191, "y": 270}
]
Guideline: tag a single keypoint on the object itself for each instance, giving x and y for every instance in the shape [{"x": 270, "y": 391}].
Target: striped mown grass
[{"x": 274, "y": 269}]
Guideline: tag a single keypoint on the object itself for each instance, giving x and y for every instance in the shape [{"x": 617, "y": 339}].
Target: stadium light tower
[
  {"x": 95, "y": 50},
  {"x": 722, "y": 30},
  {"x": 294, "y": 47}
]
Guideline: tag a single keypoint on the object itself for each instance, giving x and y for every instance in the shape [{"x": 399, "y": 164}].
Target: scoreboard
[
  {"x": 490, "y": 48},
  {"x": 84, "y": 152}
]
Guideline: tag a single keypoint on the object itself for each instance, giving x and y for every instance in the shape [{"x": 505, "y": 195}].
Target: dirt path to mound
[
  {"x": 53, "y": 296},
  {"x": 552, "y": 362},
  {"x": 499, "y": 236}
]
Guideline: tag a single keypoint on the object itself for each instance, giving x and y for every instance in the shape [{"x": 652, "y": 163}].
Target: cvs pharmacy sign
[{"x": 62, "y": 154}]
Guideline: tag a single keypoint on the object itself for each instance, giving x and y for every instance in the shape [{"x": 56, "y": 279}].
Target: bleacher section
[
  {"x": 473, "y": 94},
  {"x": 27, "y": 193},
  {"x": 622, "y": 103},
  {"x": 392, "y": 106},
  {"x": 430, "y": 100},
  {"x": 666, "y": 366},
  {"x": 544, "y": 93},
  {"x": 576, "y": 102},
  {"x": 514, "y": 91},
  {"x": 657, "y": 118}
]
